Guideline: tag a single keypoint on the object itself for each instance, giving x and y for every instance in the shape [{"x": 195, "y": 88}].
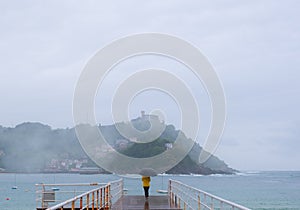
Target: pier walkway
[
  {"x": 110, "y": 196},
  {"x": 131, "y": 202}
]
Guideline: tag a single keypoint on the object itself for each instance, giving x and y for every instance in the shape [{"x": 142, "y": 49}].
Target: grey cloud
[{"x": 254, "y": 46}]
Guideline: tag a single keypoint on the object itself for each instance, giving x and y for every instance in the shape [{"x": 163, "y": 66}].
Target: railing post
[
  {"x": 87, "y": 201},
  {"x": 109, "y": 196},
  {"x": 199, "y": 203},
  {"x": 101, "y": 198},
  {"x": 73, "y": 205},
  {"x": 122, "y": 187},
  {"x": 106, "y": 199},
  {"x": 80, "y": 203},
  {"x": 221, "y": 204},
  {"x": 97, "y": 201},
  {"x": 44, "y": 204},
  {"x": 93, "y": 201},
  {"x": 170, "y": 191}
]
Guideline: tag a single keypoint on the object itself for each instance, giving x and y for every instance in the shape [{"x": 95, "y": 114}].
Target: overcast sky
[{"x": 254, "y": 47}]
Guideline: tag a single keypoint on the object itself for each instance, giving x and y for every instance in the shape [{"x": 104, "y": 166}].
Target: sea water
[{"x": 255, "y": 190}]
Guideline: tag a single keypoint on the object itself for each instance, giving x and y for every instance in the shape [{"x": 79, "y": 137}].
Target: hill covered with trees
[{"x": 35, "y": 147}]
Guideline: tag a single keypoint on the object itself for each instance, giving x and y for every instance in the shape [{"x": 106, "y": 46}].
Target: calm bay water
[{"x": 256, "y": 190}]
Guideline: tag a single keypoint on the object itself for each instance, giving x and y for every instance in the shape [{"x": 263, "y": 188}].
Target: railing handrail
[
  {"x": 71, "y": 184},
  {"x": 72, "y": 200},
  {"x": 209, "y": 195},
  {"x": 69, "y": 201}
]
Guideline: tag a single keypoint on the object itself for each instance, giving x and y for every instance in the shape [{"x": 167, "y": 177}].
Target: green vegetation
[
  {"x": 145, "y": 150},
  {"x": 34, "y": 147}
]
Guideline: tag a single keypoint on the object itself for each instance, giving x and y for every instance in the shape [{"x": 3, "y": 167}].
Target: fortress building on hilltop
[{"x": 149, "y": 116}]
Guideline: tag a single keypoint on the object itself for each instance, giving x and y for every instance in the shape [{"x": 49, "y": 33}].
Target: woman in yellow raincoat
[{"x": 146, "y": 185}]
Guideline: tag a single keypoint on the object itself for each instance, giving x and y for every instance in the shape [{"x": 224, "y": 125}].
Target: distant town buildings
[
  {"x": 56, "y": 164},
  {"x": 169, "y": 145}
]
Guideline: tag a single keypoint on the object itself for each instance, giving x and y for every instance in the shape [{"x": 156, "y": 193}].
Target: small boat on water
[
  {"x": 162, "y": 191},
  {"x": 15, "y": 180}
]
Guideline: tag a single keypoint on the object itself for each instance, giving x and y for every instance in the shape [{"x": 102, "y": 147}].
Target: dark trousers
[{"x": 146, "y": 190}]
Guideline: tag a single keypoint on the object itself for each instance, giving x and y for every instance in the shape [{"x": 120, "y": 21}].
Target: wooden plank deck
[{"x": 133, "y": 202}]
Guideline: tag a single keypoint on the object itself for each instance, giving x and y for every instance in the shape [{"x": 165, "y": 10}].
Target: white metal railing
[
  {"x": 101, "y": 197},
  {"x": 187, "y": 197}
]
